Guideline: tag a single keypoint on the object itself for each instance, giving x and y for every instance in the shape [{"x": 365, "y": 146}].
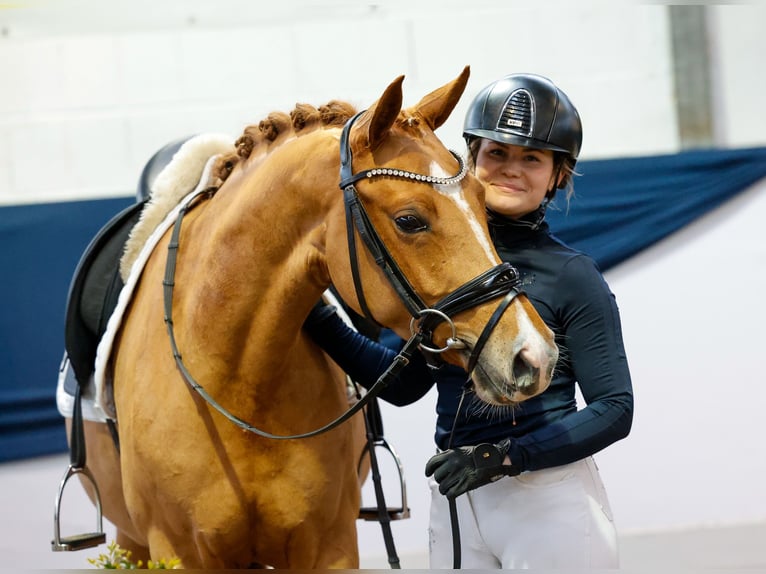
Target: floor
[{"x": 28, "y": 492}]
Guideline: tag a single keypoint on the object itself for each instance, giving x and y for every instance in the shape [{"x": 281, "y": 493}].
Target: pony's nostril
[{"x": 525, "y": 375}]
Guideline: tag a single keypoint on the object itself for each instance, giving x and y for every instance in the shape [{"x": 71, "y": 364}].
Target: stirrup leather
[{"x": 371, "y": 513}]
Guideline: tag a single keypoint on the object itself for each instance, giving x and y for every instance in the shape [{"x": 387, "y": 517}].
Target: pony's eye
[{"x": 410, "y": 223}]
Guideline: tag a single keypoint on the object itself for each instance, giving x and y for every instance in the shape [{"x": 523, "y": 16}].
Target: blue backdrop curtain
[
  {"x": 40, "y": 246},
  {"x": 621, "y": 207}
]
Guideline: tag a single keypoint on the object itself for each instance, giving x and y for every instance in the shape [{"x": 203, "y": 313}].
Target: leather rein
[{"x": 501, "y": 280}]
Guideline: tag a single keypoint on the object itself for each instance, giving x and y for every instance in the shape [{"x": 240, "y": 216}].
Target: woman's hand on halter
[{"x": 468, "y": 467}]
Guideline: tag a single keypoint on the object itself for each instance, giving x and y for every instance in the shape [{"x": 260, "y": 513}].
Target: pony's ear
[
  {"x": 436, "y": 107},
  {"x": 384, "y": 113}
]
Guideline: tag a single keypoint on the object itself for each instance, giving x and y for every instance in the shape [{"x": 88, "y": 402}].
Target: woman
[{"x": 541, "y": 504}]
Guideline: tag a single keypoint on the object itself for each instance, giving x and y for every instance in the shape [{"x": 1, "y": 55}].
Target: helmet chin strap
[
  {"x": 557, "y": 180},
  {"x": 549, "y": 195},
  {"x": 541, "y": 210}
]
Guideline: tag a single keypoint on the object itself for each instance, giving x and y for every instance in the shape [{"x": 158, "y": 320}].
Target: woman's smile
[{"x": 508, "y": 187}]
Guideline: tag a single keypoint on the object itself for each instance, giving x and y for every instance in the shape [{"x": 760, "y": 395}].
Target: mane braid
[{"x": 273, "y": 130}]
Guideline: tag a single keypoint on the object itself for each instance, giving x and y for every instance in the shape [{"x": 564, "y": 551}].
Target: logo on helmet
[{"x": 518, "y": 113}]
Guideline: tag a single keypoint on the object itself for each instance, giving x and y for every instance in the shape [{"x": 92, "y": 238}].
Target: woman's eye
[{"x": 410, "y": 223}]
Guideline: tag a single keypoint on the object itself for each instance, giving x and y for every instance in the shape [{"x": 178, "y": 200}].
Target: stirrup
[
  {"x": 78, "y": 541},
  {"x": 371, "y": 513}
]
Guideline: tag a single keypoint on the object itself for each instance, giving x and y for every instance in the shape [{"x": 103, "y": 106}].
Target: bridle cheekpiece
[{"x": 501, "y": 280}]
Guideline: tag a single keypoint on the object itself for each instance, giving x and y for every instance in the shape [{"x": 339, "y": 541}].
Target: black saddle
[
  {"x": 93, "y": 294},
  {"x": 96, "y": 283}
]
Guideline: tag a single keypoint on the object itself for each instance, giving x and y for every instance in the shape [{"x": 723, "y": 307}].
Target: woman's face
[{"x": 516, "y": 178}]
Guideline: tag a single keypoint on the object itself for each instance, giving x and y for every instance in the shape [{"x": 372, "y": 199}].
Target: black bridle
[{"x": 501, "y": 280}]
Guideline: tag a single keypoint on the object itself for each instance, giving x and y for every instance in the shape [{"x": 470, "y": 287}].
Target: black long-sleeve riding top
[{"x": 570, "y": 294}]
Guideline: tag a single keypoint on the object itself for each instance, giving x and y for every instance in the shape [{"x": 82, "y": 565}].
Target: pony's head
[{"x": 421, "y": 256}]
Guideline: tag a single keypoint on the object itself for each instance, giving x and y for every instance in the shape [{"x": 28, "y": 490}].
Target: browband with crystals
[{"x": 404, "y": 174}]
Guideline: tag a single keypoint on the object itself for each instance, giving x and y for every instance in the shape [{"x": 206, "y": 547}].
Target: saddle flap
[{"x": 94, "y": 289}]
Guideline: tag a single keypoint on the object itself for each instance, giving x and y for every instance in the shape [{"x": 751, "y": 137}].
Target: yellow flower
[{"x": 119, "y": 559}]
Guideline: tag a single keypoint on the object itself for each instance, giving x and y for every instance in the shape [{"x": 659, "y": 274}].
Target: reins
[{"x": 399, "y": 362}]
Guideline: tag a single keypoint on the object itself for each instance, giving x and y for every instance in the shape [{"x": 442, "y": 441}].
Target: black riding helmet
[{"x": 525, "y": 110}]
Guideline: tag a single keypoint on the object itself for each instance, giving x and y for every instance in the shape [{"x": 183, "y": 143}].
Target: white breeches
[{"x": 556, "y": 518}]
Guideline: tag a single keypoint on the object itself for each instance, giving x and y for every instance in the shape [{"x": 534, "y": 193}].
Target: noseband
[{"x": 501, "y": 280}]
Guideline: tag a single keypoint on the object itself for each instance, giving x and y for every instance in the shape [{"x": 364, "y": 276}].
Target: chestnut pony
[{"x": 252, "y": 260}]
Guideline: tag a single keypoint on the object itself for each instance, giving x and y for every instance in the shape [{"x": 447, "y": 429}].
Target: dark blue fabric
[
  {"x": 40, "y": 246},
  {"x": 621, "y": 207}
]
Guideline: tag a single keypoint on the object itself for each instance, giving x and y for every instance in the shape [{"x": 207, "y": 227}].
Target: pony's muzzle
[{"x": 527, "y": 373}]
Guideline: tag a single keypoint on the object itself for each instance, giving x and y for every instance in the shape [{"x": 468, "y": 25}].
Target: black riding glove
[{"x": 467, "y": 467}]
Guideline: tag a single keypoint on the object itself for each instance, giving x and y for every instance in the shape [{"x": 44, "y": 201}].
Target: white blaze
[{"x": 455, "y": 193}]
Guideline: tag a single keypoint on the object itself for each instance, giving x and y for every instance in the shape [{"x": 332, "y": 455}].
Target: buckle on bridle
[{"x": 452, "y": 342}]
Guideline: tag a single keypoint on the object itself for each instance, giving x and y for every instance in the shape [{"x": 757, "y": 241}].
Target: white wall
[
  {"x": 693, "y": 313},
  {"x": 91, "y": 88},
  {"x": 738, "y": 51}
]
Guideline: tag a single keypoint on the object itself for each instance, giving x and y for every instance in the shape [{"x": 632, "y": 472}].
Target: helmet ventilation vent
[{"x": 518, "y": 114}]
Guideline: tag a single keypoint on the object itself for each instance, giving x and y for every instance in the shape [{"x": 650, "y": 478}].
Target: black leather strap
[
  {"x": 383, "y": 258},
  {"x": 400, "y": 361},
  {"x": 489, "y": 327}
]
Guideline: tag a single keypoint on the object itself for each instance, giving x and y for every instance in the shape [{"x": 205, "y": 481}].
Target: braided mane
[
  {"x": 256, "y": 142},
  {"x": 260, "y": 139}
]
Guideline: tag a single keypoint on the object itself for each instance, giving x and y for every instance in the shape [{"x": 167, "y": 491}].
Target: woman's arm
[
  {"x": 365, "y": 360},
  {"x": 594, "y": 355}
]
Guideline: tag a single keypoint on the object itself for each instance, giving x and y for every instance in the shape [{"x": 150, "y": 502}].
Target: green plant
[{"x": 118, "y": 558}]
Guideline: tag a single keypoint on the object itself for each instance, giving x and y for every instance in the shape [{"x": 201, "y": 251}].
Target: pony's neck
[{"x": 257, "y": 249}]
